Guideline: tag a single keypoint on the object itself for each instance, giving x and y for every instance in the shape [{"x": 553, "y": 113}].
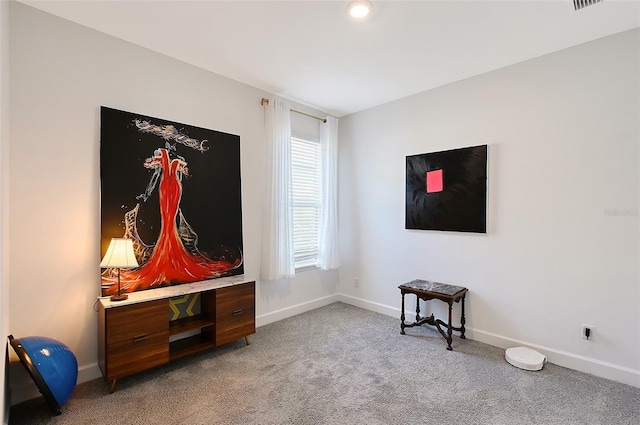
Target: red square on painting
[{"x": 434, "y": 181}]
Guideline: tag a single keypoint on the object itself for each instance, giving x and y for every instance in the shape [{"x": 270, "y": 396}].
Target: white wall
[
  {"x": 563, "y": 135},
  {"x": 4, "y": 142},
  {"x": 61, "y": 73}
]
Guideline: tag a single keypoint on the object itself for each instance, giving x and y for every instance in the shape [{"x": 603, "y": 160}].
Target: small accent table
[{"x": 426, "y": 290}]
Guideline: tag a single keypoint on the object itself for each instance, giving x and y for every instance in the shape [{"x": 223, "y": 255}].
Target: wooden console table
[
  {"x": 426, "y": 290},
  {"x": 137, "y": 334}
]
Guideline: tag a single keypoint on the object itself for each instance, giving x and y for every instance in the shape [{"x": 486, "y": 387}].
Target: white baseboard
[
  {"x": 89, "y": 373},
  {"x": 23, "y": 388},
  {"x": 377, "y": 307},
  {"x": 274, "y": 316},
  {"x": 561, "y": 358}
]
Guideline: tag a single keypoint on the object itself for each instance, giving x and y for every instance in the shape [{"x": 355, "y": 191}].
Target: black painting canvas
[
  {"x": 447, "y": 190},
  {"x": 175, "y": 190}
]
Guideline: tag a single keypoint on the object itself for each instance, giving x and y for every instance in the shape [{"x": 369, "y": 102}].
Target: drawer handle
[
  {"x": 237, "y": 312},
  {"x": 140, "y": 337}
]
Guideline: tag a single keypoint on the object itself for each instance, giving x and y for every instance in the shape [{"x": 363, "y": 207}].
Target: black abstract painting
[{"x": 447, "y": 190}]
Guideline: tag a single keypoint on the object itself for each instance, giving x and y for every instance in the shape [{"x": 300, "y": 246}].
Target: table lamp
[{"x": 119, "y": 255}]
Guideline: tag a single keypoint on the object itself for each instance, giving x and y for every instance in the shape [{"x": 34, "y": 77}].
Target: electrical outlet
[
  {"x": 356, "y": 282},
  {"x": 588, "y": 332}
]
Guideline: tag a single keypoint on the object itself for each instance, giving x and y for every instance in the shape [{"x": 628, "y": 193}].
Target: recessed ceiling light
[{"x": 359, "y": 9}]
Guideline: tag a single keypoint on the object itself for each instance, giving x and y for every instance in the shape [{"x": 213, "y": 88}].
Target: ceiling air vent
[{"x": 580, "y": 4}]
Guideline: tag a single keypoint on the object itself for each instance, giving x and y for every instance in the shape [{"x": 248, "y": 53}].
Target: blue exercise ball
[{"x": 52, "y": 366}]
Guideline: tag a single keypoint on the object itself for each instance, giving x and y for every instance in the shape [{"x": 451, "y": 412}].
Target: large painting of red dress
[{"x": 174, "y": 189}]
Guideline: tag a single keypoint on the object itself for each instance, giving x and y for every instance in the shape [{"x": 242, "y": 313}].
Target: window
[{"x": 306, "y": 187}]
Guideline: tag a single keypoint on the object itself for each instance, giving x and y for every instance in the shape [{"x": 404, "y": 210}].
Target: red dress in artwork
[{"x": 170, "y": 262}]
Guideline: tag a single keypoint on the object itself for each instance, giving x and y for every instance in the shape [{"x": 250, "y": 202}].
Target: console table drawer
[
  {"x": 135, "y": 321},
  {"x": 235, "y": 312},
  {"x": 135, "y": 355}
]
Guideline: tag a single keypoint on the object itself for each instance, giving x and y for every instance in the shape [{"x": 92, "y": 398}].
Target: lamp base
[{"x": 119, "y": 297}]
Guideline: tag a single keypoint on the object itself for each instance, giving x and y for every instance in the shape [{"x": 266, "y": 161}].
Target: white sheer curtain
[
  {"x": 329, "y": 254},
  {"x": 277, "y": 227}
]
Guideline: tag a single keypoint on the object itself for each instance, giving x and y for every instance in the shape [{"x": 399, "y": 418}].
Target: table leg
[
  {"x": 449, "y": 329},
  {"x": 417, "y": 309},
  {"x": 462, "y": 322},
  {"x": 402, "y": 316}
]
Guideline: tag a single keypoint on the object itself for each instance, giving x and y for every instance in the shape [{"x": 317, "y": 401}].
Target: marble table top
[
  {"x": 438, "y": 288},
  {"x": 175, "y": 290}
]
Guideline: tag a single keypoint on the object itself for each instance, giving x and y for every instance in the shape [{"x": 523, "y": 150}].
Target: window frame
[{"x": 312, "y": 262}]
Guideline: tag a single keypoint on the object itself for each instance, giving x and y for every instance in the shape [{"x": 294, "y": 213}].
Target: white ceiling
[{"x": 310, "y": 52}]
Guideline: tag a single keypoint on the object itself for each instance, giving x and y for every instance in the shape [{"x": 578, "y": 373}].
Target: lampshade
[{"x": 120, "y": 254}]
